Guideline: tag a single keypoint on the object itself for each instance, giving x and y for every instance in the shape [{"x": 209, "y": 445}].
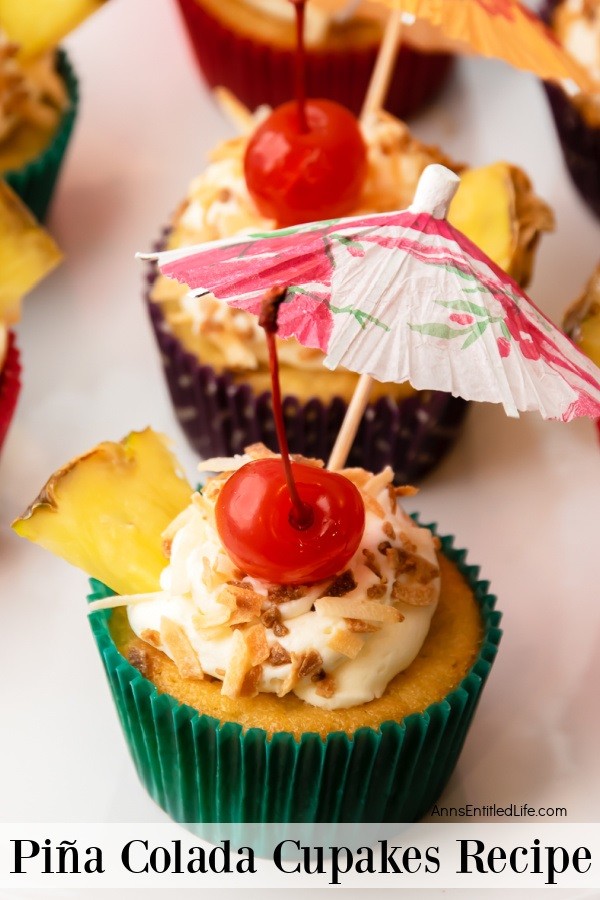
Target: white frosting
[{"x": 385, "y": 652}]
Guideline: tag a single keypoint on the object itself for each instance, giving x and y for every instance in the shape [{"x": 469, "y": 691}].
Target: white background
[{"x": 522, "y": 495}]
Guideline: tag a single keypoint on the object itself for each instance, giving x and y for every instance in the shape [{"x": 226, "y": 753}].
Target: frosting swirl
[{"x": 334, "y": 644}]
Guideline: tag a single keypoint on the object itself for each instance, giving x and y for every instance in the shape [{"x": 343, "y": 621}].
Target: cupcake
[
  {"x": 248, "y": 47},
  {"x": 215, "y": 358},
  {"x": 582, "y": 320},
  {"x": 250, "y": 700},
  {"x": 38, "y": 102},
  {"x": 27, "y": 254},
  {"x": 576, "y": 24},
  {"x": 10, "y": 383}
]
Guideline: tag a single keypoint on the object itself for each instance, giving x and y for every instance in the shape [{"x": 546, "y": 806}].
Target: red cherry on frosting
[
  {"x": 253, "y": 513},
  {"x": 297, "y": 175}
]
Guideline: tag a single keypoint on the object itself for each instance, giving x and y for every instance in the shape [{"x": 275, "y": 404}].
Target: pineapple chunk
[
  {"x": 582, "y": 320},
  {"x": 39, "y": 25},
  {"x": 497, "y": 209},
  {"x": 105, "y": 511},
  {"x": 27, "y": 253}
]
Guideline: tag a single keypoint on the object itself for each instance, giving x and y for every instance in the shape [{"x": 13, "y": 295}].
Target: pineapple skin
[{"x": 105, "y": 511}]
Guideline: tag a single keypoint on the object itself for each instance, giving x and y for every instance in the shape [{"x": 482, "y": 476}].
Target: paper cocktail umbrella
[{"x": 402, "y": 296}]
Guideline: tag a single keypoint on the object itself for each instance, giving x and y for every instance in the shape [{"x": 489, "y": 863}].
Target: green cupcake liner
[
  {"x": 35, "y": 181},
  {"x": 201, "y": 770}
]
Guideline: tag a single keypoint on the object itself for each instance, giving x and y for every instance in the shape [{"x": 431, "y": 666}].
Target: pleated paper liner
[
  {"x": 257, "y": 72},
  {"x": 221, "y": 417},
  {"x": 201, "y": 770},
  {"x": 580, "y": 142},
  {"x": 10, "y": 385},
  {"x": 35, "y": 181}
]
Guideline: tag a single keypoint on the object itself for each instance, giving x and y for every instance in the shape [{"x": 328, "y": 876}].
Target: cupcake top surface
[
  {"x": 335, "y": 643},
  {"x": 576, "y": 24},
  {"x": 32, "y": 96},
  {"x": 219, "y": 205}
]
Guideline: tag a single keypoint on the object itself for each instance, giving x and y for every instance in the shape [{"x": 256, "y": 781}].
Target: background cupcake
[
  {"x": 38, "y": 104},
  {"x": 214, "y": 357},
  {"x": 27, "y": 254},
  {"x": 248, "y": 47},
  {"x": 576, "y": 24}
]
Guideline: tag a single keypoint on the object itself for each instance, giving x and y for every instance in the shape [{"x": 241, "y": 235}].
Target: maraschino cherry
[
  {"x": 287, "y": 522},
  {"x": 307, "y": 160}
]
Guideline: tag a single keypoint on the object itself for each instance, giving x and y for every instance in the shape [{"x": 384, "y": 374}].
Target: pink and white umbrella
[{"x": 403, "y": 296}]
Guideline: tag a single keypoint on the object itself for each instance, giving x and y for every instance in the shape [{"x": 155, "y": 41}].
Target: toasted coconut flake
[
  {"x": 359, "y": 626},
  {"x": 383, "y": 547},
  {"x": 343, "y": 584},
  {"x": 226, "y": 464},
  {"x": 325, "y": 687},
  {"x": 259, "y": 451},
  {"x": 346, "y": 642},
  {"x": 251, "y": 681},
  {"x": 141, "y": 660},
  {"x": 414, "y": 594},
  {"x": 248, "y": 604},
  {"x": 283, "y": 593},
  {"x": 376, "y": 591},
  {"x": 256, "y": 641},
  {"x": 271, "y": 618},
  {"x": 405, "y": 490},
  {"x": 152, "y": 637},
  {"x": 310, "y": 663},
  {"x": 371, "y": 562},
  {"x": 357, "y": 609},
  {"x": 388, "y": 530},
  {"x": 238, "y": 668},
  {"x": 178, "y": 645},
  {"x": 407, "y": 543},
  {"x": 173, "y": 527},
  {"x": 358, "y": 477},
  {"x": 278, "y": 655},
  {"x": 373, "y": 505},
  {"x": 308, "y": 460},
  {"x": 376, "y": 483}
]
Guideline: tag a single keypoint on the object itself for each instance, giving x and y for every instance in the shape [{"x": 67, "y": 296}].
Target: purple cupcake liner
[
  {"x": 220, "y": 417},
  {"x": 580, "y": 142},
  {"x": 257, "y": 72}
]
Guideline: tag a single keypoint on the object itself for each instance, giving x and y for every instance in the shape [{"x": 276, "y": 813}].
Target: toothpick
[
  {"x": 382, "y": 73},
  {"x": 354, "y": 414}
]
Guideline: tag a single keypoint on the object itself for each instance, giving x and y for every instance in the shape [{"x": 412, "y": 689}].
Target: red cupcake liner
[
  {"x": 259, "y": 73},
  {"x": 579, "y": 141},
  {"x": 221, "y": 417},
  {"x": 10, "y": 385}
]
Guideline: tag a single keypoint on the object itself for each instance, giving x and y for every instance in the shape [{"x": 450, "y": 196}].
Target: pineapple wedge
[
  {"x": 105, "y": 511},
  {"x": 496, "y": 208},
  {"x": 39, "y": 25},
  {"x": 582, "y": 320},
  {"x": 27, "y": 253}
]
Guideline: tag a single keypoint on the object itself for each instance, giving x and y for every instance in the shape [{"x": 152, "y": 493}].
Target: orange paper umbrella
[{"x": 502, "y": 29}]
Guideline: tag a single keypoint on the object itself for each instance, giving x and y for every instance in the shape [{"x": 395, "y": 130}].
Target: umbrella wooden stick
[
  {"x": 435, "y": 190},
  {"x": 382, "y": 72}
]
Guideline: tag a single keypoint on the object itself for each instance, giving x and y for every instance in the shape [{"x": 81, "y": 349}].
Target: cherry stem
[
  {"x": 301, "y": 516},
  {"x": 300, "y": 68}
]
